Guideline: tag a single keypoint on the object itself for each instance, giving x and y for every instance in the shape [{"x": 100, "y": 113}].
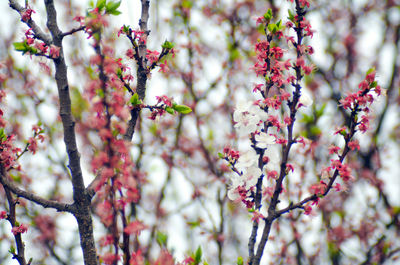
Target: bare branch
[
  {"x": 4, "y": 180},
  {"x": 81, "y": 199},
  {"x": 72, "y": 31}
]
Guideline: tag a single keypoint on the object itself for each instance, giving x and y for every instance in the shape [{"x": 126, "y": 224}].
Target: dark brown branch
[
  {"x": 72, "y": 31},
  {"x": 4, "y": 180},
  {"x": 20, "y": 255},
  {"x": 39, "y": 34},
  {"x": 81, "y": 199},
  {"x": 142, "y": 71}
]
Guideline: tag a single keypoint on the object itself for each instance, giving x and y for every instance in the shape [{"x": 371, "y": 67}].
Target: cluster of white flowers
[{"x": 248, "y": 117}]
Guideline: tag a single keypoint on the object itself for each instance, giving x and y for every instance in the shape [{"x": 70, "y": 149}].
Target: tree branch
[
  {"x": 142, "y": 69},
  {"x": 39, "y": 34},
  {"x": 81, "y": 199},
  {"x": 4, "y": 180}
]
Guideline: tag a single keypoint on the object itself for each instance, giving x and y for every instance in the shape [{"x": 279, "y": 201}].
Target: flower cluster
[
  {"x": 262, "y": 120},
  {"x": 19, "y": 229},
  {"x": 358, "y": 102},
  {"x": 31, "y": 45}
]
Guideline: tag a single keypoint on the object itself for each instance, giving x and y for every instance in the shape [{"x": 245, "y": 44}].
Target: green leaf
[
  {"x": 168, "y": 45},
  {"x": 239, "y": 261},
  {"x": 187, "y": 4},
  {"x": 100, "y": 92},
  {"x": 111, "y": 8},
  {"x": 268, "y": 14},
  {"x": 197, "y": 255},
  {"x": 169, "y": 110},
  {"x": 12, "y": 250},
  {"x": 291, "y": 15},
  {"x": 373, "y": 84},
  {"x": 279, "y": 25},
  {"x": 100, "y": 4},
  {"x": 153, "y": 129},
  {"x": 20, "y": 46},
  {"x": 234, "y": 54},
  {"x": 135, "y": 100},
  {"x": 182, "y": 109},
  {"x": 193, "y": 224},
  {"x": 272, "y": 28},
  {"x": 370, "y": 70},
  {"x": 126, "y": 29},
  {"x": 220, "y": 155},
  {"x": 320, "y": 112},
  {"x": 162, "y": 239},
  {"x": 3, "y": 135},
  {"x": 114, "y": 12}
]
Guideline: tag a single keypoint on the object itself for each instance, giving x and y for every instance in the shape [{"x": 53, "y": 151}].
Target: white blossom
[
  {"x": 264, "y": 140},
  {"x": 273, "y": 153},
  {"x": 247, "y": 159},
  {"x": 233, "y": 193},
  {"x": 251, "y": 176},
  {"x": 305, "y": 100},
  {"x": 247, "y": 116}
]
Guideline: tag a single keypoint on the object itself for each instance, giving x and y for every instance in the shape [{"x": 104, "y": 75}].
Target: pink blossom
[
  {"x": 106, "y": 240},
  {"x": 135, "y": 228},
  {"x": 54, "y": 52},
  {"x": 272, "y": 174},
  {"x": 165, "y": 258},
  {"x": 257, "y": 216},
  {"x": 130, "y": 53},
  {"x": 164, "y": 67},
  {"x": 3, "y": 215},
  {"x": 137, "y": 258},
  {"x": 354, "y": 145},
  {"x": 47, "y": 227},
  {"x": 32, "y": 145},
  {"x": 307, "y": 209},
  {"x": 341, "y": 130},
  {"x": 333, "y": 149},
  {"x": 318, "y": 189},
  {"x": 258, "y": 87},
  {"x": 27, "y": 14},
  {"x": 19, "y": 229},
  {"x": 110, "y": 258},
  {"x": 152, "y": 56},
  {"x": 289, "y": 167}
]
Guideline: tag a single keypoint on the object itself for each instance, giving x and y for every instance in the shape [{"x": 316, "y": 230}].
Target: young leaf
[
  {"x": 111, "y": 8},
  {"x": 182, "y": 109},
  {"x": 135, "y": 100},
  {"x": 268, "y": 14},
  {"x": 239, "y": 261},
  {"x": 370, "y": 70},
  {"x": 101, "y": 4},
  {"x": 3, "y": 135},
  {"x": 291, "y": 15},
  {"x": 161, "y": 239},
  {"x": 12, "y": 250},
  {"x": 197, "y": 255},
  {"x": 169, "y": 110},
  {"x": 20, "y": 46},
  {"x": 168, "y": 45}
]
